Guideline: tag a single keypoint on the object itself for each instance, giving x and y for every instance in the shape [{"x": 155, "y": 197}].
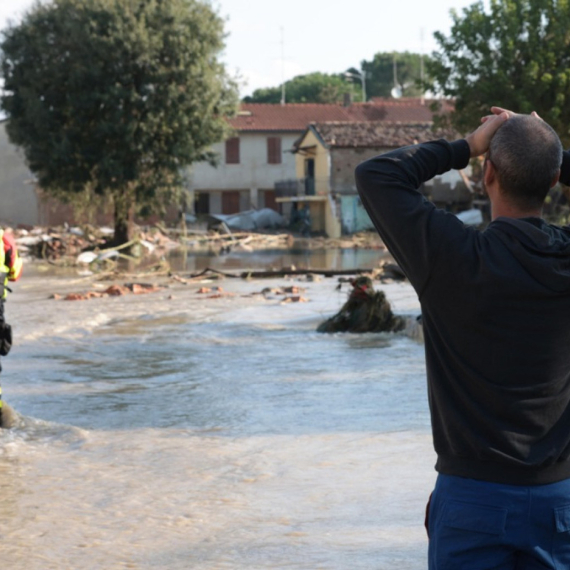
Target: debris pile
[
  {"x": 222, "y": 243},
  {"x": 366, "y": 310},
  {"x": 214, "y": 292},
  {"x": 389, "y": 271},
  {"x": 290, "y": 294},
  {"x": 91, "y": 245},
  {"x": 86, "y": 245},
  {"x": 53, "y": 244},
  {"x": 112, "y": 291}
]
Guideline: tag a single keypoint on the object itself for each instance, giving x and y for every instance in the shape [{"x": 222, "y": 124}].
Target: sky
[{"x": 269, "y": 41}]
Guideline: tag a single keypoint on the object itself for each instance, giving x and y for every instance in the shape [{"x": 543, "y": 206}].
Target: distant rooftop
[
  {"x": 376, "y": 134},
  {"x": 295, "y": 117}
]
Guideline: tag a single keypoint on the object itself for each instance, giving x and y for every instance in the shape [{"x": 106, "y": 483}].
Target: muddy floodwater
[
  {"x": 239, "y": 259},
  {"x": 171, "y": 431}
]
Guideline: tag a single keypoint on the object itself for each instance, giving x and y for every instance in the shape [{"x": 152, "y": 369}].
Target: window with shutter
[
  {"x": 232, "y": 151},
  {"x": 273, "y": 150}
]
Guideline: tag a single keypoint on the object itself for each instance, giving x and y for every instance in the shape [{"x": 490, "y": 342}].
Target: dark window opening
[
  {"x": 230, "y": 201},
  {"x": 310, "y": 176},
  {"x": 202, "y": 203},
  {"x": 232, "y": 151},
  {"x": 274, "y": 150}
]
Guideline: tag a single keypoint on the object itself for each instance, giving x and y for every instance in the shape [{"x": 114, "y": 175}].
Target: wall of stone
[{"x": 343, "y": 163}]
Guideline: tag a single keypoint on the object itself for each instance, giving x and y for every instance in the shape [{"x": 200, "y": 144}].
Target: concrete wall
[
  {"x": 22, "y": 203},
  {"x": 17, "y": 190},
  {"x": 343, "y": 163},
  {"x": 253, "y": 172},
  {"x": 446, "y": 187},
  {"x": 447, "y": 191}
]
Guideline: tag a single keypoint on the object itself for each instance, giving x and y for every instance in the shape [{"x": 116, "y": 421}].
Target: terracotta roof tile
[
  {"x": 295, "y": 117},
  {"x": 378, "y": 134}
]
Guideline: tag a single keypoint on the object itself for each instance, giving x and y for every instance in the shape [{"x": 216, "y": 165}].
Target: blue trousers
[{"x": 475, "y": 525}]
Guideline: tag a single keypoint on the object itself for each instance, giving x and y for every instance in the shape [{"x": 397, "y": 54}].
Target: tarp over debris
[{"x": 250, "y": 220}]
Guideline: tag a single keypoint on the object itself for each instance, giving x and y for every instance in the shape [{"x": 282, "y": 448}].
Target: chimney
[{"x": 347, "y": 100}]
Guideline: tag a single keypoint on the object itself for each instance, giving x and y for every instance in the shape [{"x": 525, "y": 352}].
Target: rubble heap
[
  {"x": 366, "y": 310},
  {"x": 87, "y": 244}
]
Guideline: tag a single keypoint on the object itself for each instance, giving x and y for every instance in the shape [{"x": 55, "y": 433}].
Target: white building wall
[
  {"x": 216, "y": 203},
  {"x": 245, "y": 201},
  {"x": 253, "y": 172}
]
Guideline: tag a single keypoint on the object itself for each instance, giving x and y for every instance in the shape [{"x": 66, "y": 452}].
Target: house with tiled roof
[
  {"x": 253, "y": 162},
  {"x": 326, "y": 156},
  {"x": 259, "y": 154}
]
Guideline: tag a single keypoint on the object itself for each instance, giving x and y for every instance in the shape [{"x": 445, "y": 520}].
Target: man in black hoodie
[{"x": 496, "y": 317}]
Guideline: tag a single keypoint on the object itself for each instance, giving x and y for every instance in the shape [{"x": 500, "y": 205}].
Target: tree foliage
[
  {"x": 515, "y": 55},
  {"x": 331, "y": 87},
  {"x": 116, "y": 96},
  {"x": 311, "y": 88},
  {"x": 381, "y": 79}
]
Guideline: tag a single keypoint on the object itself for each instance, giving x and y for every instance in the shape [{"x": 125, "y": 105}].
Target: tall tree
[
  {"x": 311, "y": 88},
  {"x": 386, "y": 69},
  {"x": 515, "y": 55},
  {"x": 116, "y": 96}
]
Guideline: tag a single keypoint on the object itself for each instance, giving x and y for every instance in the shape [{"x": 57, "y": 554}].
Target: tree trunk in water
[{"x": 124, "y": 214}]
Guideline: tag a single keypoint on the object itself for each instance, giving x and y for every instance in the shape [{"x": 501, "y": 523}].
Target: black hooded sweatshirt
[{"x": 496, "y": 316}]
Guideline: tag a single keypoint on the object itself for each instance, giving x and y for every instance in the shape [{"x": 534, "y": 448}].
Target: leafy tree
[
  {"x": 380, "y": 73},
  {"x": 330, "y": 88},
  {"x": 116, "y": 96},
  {"x": 311, "y": 88},
  {"x": 516, "y": 55}
]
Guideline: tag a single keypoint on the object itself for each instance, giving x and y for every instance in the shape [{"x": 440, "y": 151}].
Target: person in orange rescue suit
[
  {"x": 10, "y": 269},
  {"x": 10, "y": 263}
]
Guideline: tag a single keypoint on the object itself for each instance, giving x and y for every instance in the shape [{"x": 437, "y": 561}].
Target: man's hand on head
[
  {"x": 480, "y": 139},
  {"x": 500, "y": 110}
]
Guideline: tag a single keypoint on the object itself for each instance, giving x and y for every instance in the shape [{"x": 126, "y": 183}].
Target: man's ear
[
  {"x": 490, "y": 174},
  {"x": 555, "y": 180}
]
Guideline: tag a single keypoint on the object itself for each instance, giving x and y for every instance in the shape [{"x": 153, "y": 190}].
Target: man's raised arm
[{"x": 412, "y": 228}]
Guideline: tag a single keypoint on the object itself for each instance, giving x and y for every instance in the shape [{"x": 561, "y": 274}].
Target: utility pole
[
  {"x": 396, "y": 91},
  {"x": 422, "y": 63},
  {"x": 363, "y": 79},
  {"x": 395, "y": 70},
  {"x": 282, "y": 66}
]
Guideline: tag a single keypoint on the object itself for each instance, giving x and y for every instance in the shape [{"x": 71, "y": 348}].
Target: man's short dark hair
[{"x": 527, "y": 155}]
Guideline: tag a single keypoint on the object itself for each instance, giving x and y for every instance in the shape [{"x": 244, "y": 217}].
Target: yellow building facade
[{"x": 312, "y": 168}]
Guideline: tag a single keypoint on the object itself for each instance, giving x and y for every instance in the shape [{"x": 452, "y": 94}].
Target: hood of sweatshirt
[{"x": 542, "y": 249}]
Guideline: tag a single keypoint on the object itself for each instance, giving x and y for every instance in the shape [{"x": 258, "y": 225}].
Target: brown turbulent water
[{"x": 169, "y": 431}]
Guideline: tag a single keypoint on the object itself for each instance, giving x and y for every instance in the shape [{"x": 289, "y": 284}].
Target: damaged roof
[
  {"x": 376, "y": 134},
  {"x": 295, "y": 117}
]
